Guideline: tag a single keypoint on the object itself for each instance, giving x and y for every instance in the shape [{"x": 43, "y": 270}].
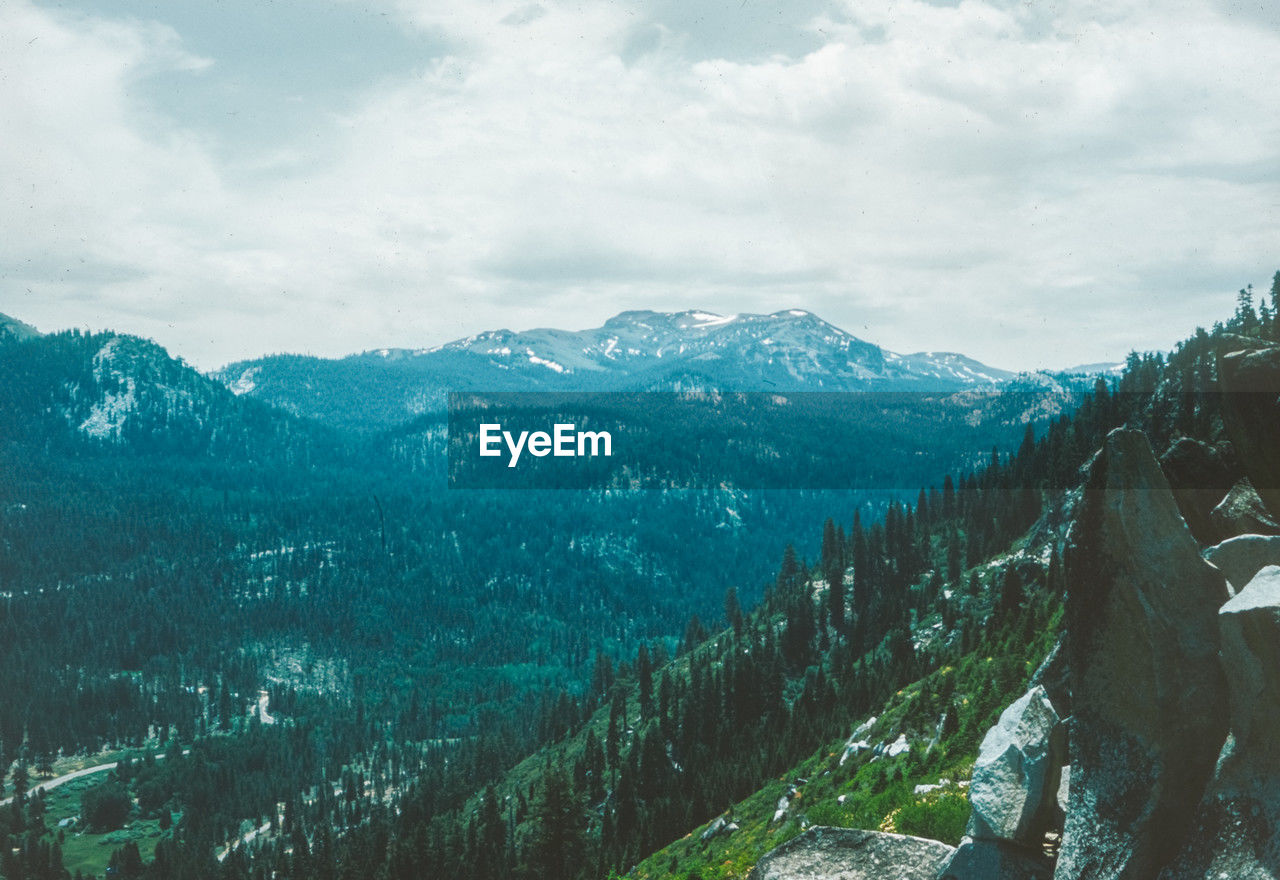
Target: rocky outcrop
[
  {"x": 847, "y": 854},
  {"x": 1199, "y": 478},
  {"x": 1250, "y": 625},
  {"x": 1014, "y": 791},
  {"x": 1242, "y": 557},
  {"x": 1149, "y": 711},
  {"x": 995, "y": 860},
  {"x": 1054, "y": 675},
  {"x": 1250, "y": 381},
  {"x": 720, "y": 825},
  {"x": 1237, "y": 828},
  {"x": 1015, "y": 780},
  {"x": 1241, "y": 512}
]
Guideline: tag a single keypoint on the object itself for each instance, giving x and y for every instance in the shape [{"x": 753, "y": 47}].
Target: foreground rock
[
  {"x": 1250, "y": 379},
  {"x": 1242, "y": 557},
  {"x": 1237, "y": 829},
  {"x": 1015, "y": 780},
  {"x": 847, "y": 854},
  {"x": 1149, "y": 710},
  {"x": 995, "y": 860}
]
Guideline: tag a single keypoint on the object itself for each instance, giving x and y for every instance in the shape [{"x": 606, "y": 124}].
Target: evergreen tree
[
  {"x": 644, "y": 677},
  {"x": 555, "y": 850},
  {"x": 733, "y": 610}
]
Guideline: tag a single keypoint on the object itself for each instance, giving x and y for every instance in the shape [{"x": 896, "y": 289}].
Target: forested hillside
[{"x": 352, "y": 673}]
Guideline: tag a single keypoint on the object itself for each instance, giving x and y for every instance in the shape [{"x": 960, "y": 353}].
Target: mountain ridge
[{"x": 638, "y": 350}]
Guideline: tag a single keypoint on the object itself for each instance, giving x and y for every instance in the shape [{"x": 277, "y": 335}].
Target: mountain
[
  {"x": 790, "y": 350},
  {"x": 78, "y": 391},
  {"x": 13, "y": 329}
]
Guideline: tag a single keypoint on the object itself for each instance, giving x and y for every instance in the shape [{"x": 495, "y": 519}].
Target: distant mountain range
[{"x": 792, "y": 350}]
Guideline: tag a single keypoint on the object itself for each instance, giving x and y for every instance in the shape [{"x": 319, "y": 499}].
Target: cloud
[{"x": 1029, "y": 183}]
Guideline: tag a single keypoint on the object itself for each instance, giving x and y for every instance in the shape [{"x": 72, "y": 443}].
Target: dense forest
[{"x": 312, "y": 665}]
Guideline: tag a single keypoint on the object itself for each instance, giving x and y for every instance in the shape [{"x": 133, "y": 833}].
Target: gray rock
[
  {"x": 715, "y": 827},
  {"x": 1251, "y": 413},
  {"x": 1242, "y": 512},
  {"x": 847, "y": 854},
  {"x": 1054, "y": 675},
  {"x": 1149, "y": 706},
  {"x": 1242, "y": 557},
  {"x": 995, "y": 860},
  {"x": 1199, "y": 479},
  {"x": 1015, "y": 780},
  {"x": 1237, "y": 828},
  {"x": 1250, "y": 625}
]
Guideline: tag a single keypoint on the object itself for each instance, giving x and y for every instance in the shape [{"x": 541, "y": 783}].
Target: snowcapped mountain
[
  {"x": 783, "y": 348},
  {"x": 791, "y": 350}
]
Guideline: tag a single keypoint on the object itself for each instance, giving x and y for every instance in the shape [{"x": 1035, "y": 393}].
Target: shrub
[
  {"x": 105, "y": 806},
  {"x": 938, "y": 816}
]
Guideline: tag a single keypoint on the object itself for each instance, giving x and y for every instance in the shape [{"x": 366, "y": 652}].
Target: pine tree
[
  {"x": 556, "y": 847},
  {"x": 835, "y": 599},
  {"x": 644, "y": 674},
  {"x": 1275, "y": 307},
  {"x": 490, "y": 861},
  {"x": 733, "y": 610}
]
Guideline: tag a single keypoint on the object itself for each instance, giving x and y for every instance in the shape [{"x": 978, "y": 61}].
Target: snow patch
[
  {"x": 707, "y": 319},
  {"x": 550, "y": 365},
  {"x": 247, "y": 381},
  {"x": 107, "y": 416}
]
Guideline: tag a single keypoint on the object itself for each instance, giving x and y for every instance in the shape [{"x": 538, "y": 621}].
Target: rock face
[
  {"x": 846, "y": 854},
  {"x": 1237, "y": 828},
  {"x": 1250, "y": 625},
  {"x": 1242, "y": 557},
  {"x": 1250, "y": 380},
  {"x": 1015, "y": 780},
  {"x": 1199, "y": 479},
  {"x": 1149, "y": 705},
  {"x": 995, "y": 860},
  {"x": 1055, "y": 677},
  {"x": 1241, "y": 512}
]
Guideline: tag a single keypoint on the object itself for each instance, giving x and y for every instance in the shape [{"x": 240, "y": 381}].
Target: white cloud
[{"x": 1026, "y": 183}]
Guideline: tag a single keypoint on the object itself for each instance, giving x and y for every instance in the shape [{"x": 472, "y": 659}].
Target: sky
[{"x": 1035, "y": 183}]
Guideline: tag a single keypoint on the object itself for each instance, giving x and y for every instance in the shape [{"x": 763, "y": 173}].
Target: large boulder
[
  {"x": 1237, "y": 829},
  {"x": 1242, "y": 557},
  {"x": 1242, "y": 512},
  {"x": 995, "y": 860},
  {"x": 848, "y": 854},
  {"x": 1015, "y": 780},
  {"x": 1250, "y": 626},
  {"x": 1199, "y": 478},
  {"x": 1250, "y": 381},
  {"x": 1149, "y": 706}
]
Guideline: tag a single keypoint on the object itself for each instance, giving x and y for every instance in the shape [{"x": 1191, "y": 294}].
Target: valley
[{"x": 353, "y": 671}]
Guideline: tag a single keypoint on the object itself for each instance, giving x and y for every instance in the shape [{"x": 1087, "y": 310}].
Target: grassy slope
[{"x": 878, "y": 792}]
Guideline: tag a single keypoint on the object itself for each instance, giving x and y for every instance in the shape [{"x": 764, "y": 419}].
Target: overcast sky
[{"x": 1031, "y": 182}]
